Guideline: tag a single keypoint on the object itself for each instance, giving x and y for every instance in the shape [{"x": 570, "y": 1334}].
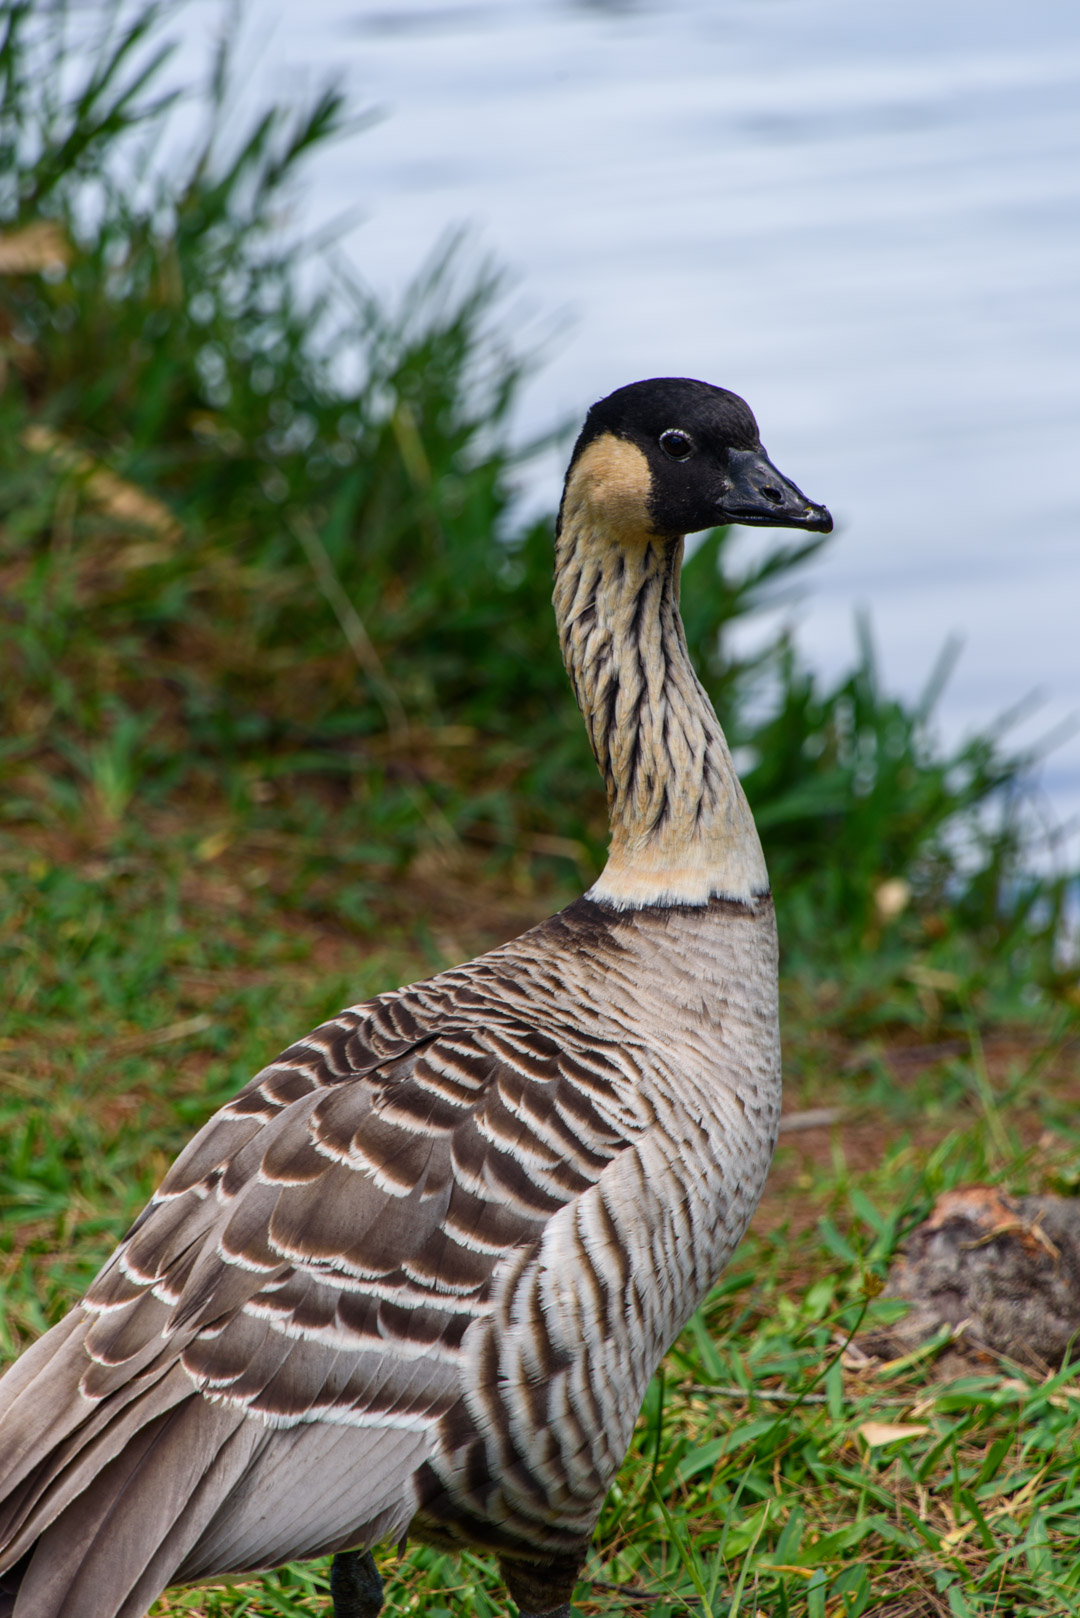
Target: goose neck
[{"x": 681, "y": 829}]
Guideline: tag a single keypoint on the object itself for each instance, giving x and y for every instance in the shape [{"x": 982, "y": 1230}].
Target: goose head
[{"x": 670, "y": 456}]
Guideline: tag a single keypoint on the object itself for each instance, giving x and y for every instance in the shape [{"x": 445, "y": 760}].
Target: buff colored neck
[{"x": 681, "y": 829}]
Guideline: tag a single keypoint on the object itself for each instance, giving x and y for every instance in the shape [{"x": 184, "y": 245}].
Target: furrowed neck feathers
[{"x": 681, "y": 829}]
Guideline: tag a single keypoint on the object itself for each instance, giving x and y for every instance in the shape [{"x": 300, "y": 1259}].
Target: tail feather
[
  {"x": 205, "y": 1500},
  {"x": 113, "y": 1499},
  {"x": 44, "y": 1401},
  {"x": 56, "y": 1552},
  {"x": 117, "y": 1545},
  {"x": 64, "y": 1471},
  {"x": 32, "y": 1360},
  {"x": 9, "y": 1587},
  {"x": 188, "y": 1497},
  {"x": 41, "y": 1403}
]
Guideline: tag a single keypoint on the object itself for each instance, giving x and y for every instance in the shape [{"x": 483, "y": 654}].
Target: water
[{"x": 863, "y": 217}]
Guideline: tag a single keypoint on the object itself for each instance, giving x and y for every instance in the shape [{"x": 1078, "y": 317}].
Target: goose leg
[
  {"x": 356, "y": 1589},
  {"x": 542, "y": 1590}
]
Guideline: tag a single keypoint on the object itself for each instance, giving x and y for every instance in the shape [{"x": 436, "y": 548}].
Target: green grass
[
  {"x": 145, "y": 983},
  {"x": 284, "y": 723}
]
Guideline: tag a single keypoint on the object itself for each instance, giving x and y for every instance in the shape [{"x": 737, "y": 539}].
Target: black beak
[{"x": 757, "y": 494}]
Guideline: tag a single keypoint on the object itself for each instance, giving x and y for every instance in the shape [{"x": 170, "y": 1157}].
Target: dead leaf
[
  {"x": 130, "y": 1043},
  {"x": 876, "y": 1433},
  {"x": 891, "y": 898},
  {"x": 213, "y": 845},
  {"x": 35, "y": 248},
  {"x": 116, "y": 497},
  {"x": 952, "y": 1539},
  {"x": 930, "y": 977}
]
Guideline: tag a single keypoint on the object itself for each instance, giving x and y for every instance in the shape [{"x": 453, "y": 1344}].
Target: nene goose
[{"x": 417, "y": 1276}]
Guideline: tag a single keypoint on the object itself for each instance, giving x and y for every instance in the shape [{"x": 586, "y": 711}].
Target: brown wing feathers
[{"x": 316, "y": 1254}]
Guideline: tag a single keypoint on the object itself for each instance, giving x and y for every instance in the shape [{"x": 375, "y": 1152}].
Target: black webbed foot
[{"x": 356, "y": 1589}]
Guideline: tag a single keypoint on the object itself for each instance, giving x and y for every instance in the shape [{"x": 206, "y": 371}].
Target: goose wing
[{"x": 312, "y": 1261}]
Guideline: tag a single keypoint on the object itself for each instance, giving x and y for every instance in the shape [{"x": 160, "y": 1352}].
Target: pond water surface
[{"x": 864, "y": 217}]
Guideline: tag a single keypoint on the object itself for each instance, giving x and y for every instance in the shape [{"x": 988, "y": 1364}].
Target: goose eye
[{"x": 680, "y": 446}]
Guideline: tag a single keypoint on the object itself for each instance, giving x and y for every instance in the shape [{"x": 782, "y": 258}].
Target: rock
[{"x": 1005, "y": 1269}]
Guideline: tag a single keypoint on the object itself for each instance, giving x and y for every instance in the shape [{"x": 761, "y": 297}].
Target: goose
[{"x": 416, "y": 1277}]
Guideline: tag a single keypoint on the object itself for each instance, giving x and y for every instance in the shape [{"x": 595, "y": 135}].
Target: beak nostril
[{"x": 753, "y": 492}]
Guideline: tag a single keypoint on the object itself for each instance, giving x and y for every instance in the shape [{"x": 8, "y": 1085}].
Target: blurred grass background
[{"x": 284, "y": 722}]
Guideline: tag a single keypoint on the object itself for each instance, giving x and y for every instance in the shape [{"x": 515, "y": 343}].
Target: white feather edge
[{"x": 741, "y": 877}]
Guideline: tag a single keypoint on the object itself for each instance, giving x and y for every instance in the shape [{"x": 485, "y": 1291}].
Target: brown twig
[{"x": 777, "y": 1395}]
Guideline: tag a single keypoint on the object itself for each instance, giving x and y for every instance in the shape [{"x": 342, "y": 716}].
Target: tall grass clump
[{"x": 259, "y": 547}]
